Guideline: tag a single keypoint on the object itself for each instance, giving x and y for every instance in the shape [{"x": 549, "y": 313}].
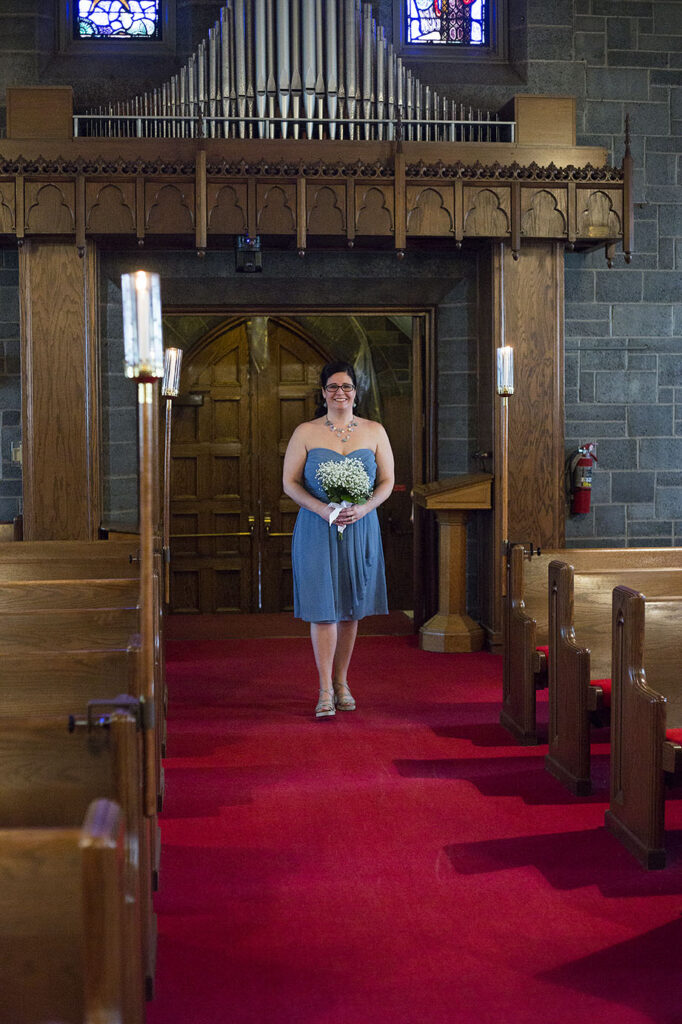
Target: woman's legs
[
  {"x": 333, "y": 644},
  {"x": 346, "y": 634},
  {"x": 323, "y": 636}
]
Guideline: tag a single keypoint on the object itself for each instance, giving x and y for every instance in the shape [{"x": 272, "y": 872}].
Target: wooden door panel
[
  {"x": 185, "y": 587},
  {"x": 185, "y": 424},
  {"x": 184, "y": 477},
  {"x": 286, "y": 389},
  {"x": 226, "y": 419},
  {"x": 226, "y": 477},
  {"x": 228, "y": 585},
  {"x": 211, "y": 480}
]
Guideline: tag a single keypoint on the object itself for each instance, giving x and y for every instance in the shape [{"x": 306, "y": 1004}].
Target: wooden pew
[
  {"x": 88, "y": 615},
  {"x": 64, "y": 682},
  {"x": 50, "y": 776},
  {"x": 579, "y": 662},
  {"x": 526, "y": 619},
  {"x": 83, "y": 629},
  {"x": 646, "y": 720},
  {"x": 68, "y": 559},
  {"x": 62, "y": 928},
  {"x": 34, "y": 595}
]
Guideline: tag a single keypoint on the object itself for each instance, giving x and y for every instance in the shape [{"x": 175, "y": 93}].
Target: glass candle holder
[
  {"x": 172, "y": 364},
  {"x": 505, "y": 370},
  {"x": 142, "y": 326}
]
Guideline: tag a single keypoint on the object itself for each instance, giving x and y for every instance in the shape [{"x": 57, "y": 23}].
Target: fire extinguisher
[{"x": 579, "y": 473}]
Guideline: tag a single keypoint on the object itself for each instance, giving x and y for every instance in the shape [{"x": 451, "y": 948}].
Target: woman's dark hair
[{"x": 328, "y": 370}]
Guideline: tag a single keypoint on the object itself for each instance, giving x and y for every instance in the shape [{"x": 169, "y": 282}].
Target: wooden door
[
  {"x": 285, "y": 391},
  {"x": 230, "y": 521}
]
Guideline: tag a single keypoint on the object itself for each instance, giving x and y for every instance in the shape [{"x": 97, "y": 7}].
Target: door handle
[
  {"x": 237, "y": 533},
  {"x": 267, "y": 520}
]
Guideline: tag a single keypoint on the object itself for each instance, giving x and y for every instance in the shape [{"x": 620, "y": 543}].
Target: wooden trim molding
[{"x": 202, "y": 192}]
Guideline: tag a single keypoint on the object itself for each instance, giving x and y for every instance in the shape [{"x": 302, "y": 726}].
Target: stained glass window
[
  {"x": 452, "y": 22},
  {"x": 117, "y": 19}
]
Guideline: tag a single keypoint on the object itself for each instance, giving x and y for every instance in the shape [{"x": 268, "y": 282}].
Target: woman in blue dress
[{"x": 339, "y": 578}]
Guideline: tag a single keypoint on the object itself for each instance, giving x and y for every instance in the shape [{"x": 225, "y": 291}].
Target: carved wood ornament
[{"x": 202, "y": 191}]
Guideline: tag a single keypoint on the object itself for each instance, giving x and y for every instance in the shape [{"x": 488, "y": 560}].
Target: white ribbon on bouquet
[{"x": 336, "y": 507}]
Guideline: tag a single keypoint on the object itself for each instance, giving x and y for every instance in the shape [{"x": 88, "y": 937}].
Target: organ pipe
[{"x": 280, "y": 68}]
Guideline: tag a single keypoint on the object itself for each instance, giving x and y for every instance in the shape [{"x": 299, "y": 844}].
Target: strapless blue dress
[{"x": 337, "y": 578}]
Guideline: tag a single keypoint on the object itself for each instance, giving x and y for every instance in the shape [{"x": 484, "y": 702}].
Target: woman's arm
[
  {"x": 383, "y": 485},
  {"x": 292, "y": 475}
]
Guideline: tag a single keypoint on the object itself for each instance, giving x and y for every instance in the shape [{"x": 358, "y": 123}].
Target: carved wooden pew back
[
  {"x": 66, "y": 630},
  {"x": 63, "y": 896},
  {"x": 63, "y": 682},
  {"x": 646, "y": 720},
  {"x": 527, "y": 619},
  {"x": 68, "y": 559},
  {"x": 78, "y": 616},
  {"x": 579, "y": 669},
  {"x": 37, "y": 595}
]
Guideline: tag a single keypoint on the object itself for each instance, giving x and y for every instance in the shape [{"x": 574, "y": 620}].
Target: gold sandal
[
  {"x": 343, "y": 698},
  {"x": 325, "y": 705}
]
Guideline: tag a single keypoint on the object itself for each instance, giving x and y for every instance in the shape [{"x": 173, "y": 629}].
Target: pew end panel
[
  {"x": 568, "y": 757},
  {"x": 518, "y": 714},
  {"x": 637, "y": 798},
  {"x": 63, "y": 899},
  {"x": 51, "y": 775}
]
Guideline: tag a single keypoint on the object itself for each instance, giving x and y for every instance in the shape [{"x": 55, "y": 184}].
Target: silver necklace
[{"x": 340, "y": 431}]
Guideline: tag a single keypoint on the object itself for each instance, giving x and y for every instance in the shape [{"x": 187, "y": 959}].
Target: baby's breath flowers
[{"x": 345, "y": 482}]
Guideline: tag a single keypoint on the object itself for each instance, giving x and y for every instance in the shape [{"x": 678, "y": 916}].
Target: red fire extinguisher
[{"x": 579, "y": 472}]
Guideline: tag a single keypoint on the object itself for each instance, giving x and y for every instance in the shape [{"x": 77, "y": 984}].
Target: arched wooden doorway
[{"x": 230, "y": 521}]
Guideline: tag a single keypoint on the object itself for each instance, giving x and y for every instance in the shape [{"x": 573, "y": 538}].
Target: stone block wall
[
  {"x": 10, "y": 386},
  {"x": 624, "y": 325},
  {"x": 119, "y": 415}
]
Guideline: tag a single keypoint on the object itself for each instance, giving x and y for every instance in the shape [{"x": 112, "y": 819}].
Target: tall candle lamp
[
  {"x": 505, "y": 388},
  {"x": 143, "y": 346},
  {"x": 169, "y": 389}
]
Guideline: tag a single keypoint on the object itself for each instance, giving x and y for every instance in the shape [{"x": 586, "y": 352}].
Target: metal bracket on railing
[
  {"x": 267, "y": 521},
  {"x": 99, "y": 713}
]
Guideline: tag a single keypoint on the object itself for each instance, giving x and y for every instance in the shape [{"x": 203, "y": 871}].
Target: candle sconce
[
  {"x": 169, "y": 389},
  {"x": 144, "y": 362},
  {"x": 142, "y": 326},
  {"x": 505, "y": 388},
  {"x": 505, "y": 371}
]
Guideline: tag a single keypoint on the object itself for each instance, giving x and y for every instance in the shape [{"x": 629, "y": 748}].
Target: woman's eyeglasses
[{"x": 346, "y": 388}]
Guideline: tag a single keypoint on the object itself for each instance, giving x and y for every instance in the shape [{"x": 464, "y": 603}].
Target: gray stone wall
[
  {"x": 623, "y": 326},
  {"x": 10, "y": 386},
  {"x": 119, "y": 414}
]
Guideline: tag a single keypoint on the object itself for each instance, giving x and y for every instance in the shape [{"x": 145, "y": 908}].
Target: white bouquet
[{"x": 345, "y": 483}]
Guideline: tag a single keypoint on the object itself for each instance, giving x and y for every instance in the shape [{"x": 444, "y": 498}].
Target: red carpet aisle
[{"x": 403, "y": 864}]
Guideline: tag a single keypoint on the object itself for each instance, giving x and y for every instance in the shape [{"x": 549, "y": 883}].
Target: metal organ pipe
[{"x": 276, "y": 67}]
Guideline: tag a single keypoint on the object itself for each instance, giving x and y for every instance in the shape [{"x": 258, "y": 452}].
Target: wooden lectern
[{"x": 451, "y": 629}]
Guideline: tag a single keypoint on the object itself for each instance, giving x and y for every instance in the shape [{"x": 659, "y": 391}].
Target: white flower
[{"x": 345, "y": 480}]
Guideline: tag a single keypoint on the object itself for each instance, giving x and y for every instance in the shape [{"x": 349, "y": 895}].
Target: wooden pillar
[
  {"x": 533, "y": 297},
  {"x": 60, "y": 386}
]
